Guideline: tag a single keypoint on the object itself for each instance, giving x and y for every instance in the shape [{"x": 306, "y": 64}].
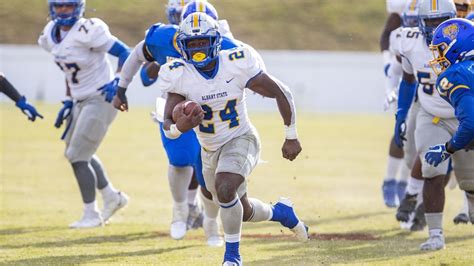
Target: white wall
[{"x": 321, "y": 81}]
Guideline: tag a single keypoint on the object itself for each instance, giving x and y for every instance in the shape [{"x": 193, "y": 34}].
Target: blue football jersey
[{"x": 455, "y": 85}]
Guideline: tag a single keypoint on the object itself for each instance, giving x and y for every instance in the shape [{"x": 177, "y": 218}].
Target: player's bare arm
[
  {"x": 184, "y": 122},
  {"x": 393, "y": 21},
  {"x": 267, "y": 86}
]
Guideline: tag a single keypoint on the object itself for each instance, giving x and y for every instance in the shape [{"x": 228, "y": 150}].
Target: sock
[
  {"x": 179, "y": 178},
  {"x": 102, "y": 180},
  {"x": 86, "y": 179},
  {"x": 415, "y": 186},
  {"x": 260, "y": 211},
  {"x": 231, "y": 215},
  {"x": 465, "y": 206},
  {"x": 108, "y": 191},
  {"x": 435, "y": 223},
  {"x": 211, "y": 209},
  {"x": 180, "y": 211},
  {"x": 392, "y": 168},
  {"x": 192, "y": 200},
  {"x": 404, "y": 173},
  {"x": 91, "y": 207}
]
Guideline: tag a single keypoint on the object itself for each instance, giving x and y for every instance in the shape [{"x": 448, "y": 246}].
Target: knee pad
[{"x": 74, "y": 155}]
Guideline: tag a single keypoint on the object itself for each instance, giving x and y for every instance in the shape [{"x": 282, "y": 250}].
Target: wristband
[
  {"x": 173, "y": 133},
  {"x": 291, "y": 132}
]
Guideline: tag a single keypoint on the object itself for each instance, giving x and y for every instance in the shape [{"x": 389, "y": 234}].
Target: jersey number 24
[{"x": 229, "y": 114}]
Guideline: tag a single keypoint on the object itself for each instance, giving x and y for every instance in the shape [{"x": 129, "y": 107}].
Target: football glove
[
  {"x": 27, "y": 109},
  {"x": 437, "y": 154},
  {"x": 64, "y": 113},
  {"x": 400, "y": 130},
  {"x": 109, "y": 89}
]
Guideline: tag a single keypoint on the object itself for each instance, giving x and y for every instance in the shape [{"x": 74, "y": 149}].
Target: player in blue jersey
[
  {"x": 453, "y": 49},
  {"x": 20, "y": 101}
]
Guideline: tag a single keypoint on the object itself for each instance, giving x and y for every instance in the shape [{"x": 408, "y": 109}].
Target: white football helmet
[
  {"x": 410, "y": 14},
  {"x": 203, "y": 27},
  {"x": 431, "y": 13},
  {"x": 174, "y": 9}
]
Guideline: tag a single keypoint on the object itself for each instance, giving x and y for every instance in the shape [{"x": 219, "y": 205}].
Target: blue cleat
[
  {"x": 284, "y": 213},
  {"x": 401, "y": 190},
  {"x": 232, "y": 256},
  {"x": 389, "y": 189}
]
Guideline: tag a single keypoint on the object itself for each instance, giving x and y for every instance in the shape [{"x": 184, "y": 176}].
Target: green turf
[
  {"x": 269, "y": 24},
  {"x": 335, "y": 185}
]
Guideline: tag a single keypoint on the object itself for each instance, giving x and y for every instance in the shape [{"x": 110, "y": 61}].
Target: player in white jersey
[
  {"x": 80, "y": 48},
  {"x": 435, "y": 117},
  {"x": 230, "y": 146},
  {"x": 391, "y": 188}
]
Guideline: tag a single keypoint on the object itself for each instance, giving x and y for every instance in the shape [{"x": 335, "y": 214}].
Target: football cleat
[
  {"x": 407, "y": 206},
  {"x": 419, "y": 221},
  {"x": 211, "y": 229},
  {"x": 113, "y": 204},
  {"x": 434, "y": 242},
  {"x": 178, "y": 230},
  {"x": 284, "y": 213},
  {"x": 88, "y": 220},
  {"x": 232, "y": 263},
  {"x": 195, "y": 217},
  {"x": 461, "y": 218},
  {"x": 389, "y": 190}
]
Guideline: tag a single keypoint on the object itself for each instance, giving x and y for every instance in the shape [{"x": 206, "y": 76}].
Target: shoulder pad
[
  {"x": 160, "y": 34},
  {"x": 46, "y": 36},
  {"x": 454, "y": 77},
  {"x": 395, "y": 39},
  {"x": 409, "y": 38},
  {"x": 241, "y": 56},
  {"x": 92, "y": 31},
  {"x": 169, "y": 75}
]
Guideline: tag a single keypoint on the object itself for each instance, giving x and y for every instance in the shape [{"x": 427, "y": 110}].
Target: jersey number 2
[{"x": 229, "y": 114}]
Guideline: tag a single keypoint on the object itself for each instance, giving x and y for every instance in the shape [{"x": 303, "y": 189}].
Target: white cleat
[
  {"x": 88, "y": 220},
  {"x": 301, "y": 232},
  {"x": 178, "y": 230},
  {"x": 231, "y": 263},
  {"x": 211, "y": 229},
  {"x": 113, "y": 204},
  {"x": 434, "y": 242}
]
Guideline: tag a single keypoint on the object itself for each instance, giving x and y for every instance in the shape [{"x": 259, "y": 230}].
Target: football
[{"x": 184, "y": 108}]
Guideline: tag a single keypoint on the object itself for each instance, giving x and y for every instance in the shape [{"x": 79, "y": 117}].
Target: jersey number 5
[{"x": 229, "y": 114}]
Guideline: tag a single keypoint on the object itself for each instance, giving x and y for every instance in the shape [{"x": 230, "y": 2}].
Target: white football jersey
[
  {"x": 395, "y": 41},
  {"x": 224, "y": 29},
  {"x": 396, "y": 6},
  {"x": 415, "y": 57},
  {"x": 222, "y": 98},
  {"x": 81, "y": 55}
]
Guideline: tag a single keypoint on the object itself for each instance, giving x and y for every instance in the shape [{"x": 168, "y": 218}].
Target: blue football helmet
[
  {"x": 70, "y": 18},
  {"x": 431, "y": 13},
  {"x": 199, "y": 26},
  {"x": 174, "y": 9},
  {"x": 410, "y": 14},
  {"x": 199, "y": 6},
  {"x": 453, "y": 41},
  {"x": 470, "y": 16}
]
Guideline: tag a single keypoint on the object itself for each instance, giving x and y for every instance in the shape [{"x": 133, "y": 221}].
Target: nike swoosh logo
[{"x": 228, "y": 81}]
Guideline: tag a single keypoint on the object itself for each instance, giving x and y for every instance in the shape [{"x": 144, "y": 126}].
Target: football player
[
  {"x": 453, "y": 50},
  {"x": 80, "y": 48},
  {"x": 230, "y": 144},
  {"x": 20, "y": 101},
  {"x": 435, "y": 116},
  {"x": 393, "y": 190}
]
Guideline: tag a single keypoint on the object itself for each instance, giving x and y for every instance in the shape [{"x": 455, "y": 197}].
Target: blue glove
[
  {"x": 27, "y": 109},
  {"x": 400, "y": 130},
  {"x": 110, "y": 89},
  {"x": 437, "y": 154},
  {"x": 64, "y": 113}
]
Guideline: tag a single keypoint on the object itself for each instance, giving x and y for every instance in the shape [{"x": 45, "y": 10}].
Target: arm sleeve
[
  {"x": 131, "y": 65},
  {"x": 120, "y": 50},
  {"x": 7, "y": 88},
  {"x": 289, "y": 97},
  {"x": 405, "y": 98}
]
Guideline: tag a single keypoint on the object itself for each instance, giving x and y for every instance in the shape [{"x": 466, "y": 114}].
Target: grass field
[
  {"x": 335, "y": 185},
  {"x": 265, "y": 24}
]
